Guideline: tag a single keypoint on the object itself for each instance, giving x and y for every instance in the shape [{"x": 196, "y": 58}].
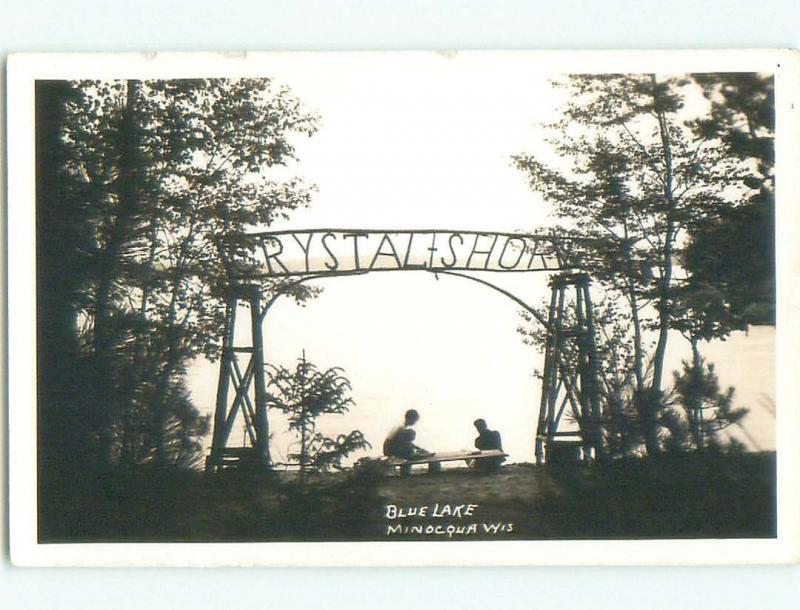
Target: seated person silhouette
[
  {"x": 400, "y": 441},
  {"x": 488, "y": 439}
]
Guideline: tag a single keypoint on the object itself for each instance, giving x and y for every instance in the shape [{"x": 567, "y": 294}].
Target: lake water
[{"x": 450, "y": 401}]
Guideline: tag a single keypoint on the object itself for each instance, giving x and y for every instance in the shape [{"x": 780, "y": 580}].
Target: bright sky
[{"x": 424, "y": 141}]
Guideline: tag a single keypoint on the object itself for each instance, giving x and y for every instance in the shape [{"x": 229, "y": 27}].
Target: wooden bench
[
  {"x": 435, "y": 460},
  {"x": 233, "y": 457}
]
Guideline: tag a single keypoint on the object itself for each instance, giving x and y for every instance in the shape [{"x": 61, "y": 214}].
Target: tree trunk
[
  {"x": 109, "y": 261},
  {"x": 138, "y": 369},
  {"x": 174, "y": 355},
  {"x": 63, "y": 428},
  {"x": 696, "y": 401},
  {"x": 653, "y": 398},
  {"x": 665, "y": 282},
  {"x": 638, "y": 351}
]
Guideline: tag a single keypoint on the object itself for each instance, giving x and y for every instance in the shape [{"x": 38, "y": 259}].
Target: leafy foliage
[
  {"x": 735, "y": 252},
  {"x": 153, "y": 171},
  {"x": 304, "y": 395},
  {"x": 632, "y": 177}
]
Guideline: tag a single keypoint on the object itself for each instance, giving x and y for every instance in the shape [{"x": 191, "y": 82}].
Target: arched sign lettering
[
  {"x": 342, "y": 251},
  {"x": 314, "y": 254}
]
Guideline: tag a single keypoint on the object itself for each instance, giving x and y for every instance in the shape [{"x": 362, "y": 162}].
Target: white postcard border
[{"x": 24, "y": 70}]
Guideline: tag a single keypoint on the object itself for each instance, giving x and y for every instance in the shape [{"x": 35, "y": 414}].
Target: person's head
[
  {"x": 480, "y": 425},
  {"x": 412, "y": 417}
]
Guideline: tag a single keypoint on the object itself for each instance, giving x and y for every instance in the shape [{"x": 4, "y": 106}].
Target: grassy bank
[{"x": 685, "y": 496}]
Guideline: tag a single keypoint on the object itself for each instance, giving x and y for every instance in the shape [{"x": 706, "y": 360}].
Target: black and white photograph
[{"x": 531, "y": 302}]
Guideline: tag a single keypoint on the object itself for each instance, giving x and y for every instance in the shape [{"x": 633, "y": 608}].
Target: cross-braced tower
[
  {"x": 570, "y": 374},
  {"x": 249, "y": 396}
]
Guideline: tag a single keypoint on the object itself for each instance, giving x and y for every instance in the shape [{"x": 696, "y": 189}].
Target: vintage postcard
[{"x": 408, "y": 308}]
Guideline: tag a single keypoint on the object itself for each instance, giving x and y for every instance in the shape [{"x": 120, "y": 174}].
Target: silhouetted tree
[
  {"x": 708, "y": 411},
  {"x": 304, "y": 395},
  {"x": 152, "y": 172},
  {"x": 63, "y": 438},
  {"x": 632, "y": 179},
  {"x": 735, "y": 252}
]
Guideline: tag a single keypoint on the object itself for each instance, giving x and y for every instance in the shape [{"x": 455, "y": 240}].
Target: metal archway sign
[
  {"x": 313, "y": 254},
  {"x": 341, "y": 251}
]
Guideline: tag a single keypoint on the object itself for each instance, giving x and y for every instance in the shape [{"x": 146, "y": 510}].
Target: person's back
[
  {"x": 488, "y": 440},
  {"x": 400, "y": 440}
]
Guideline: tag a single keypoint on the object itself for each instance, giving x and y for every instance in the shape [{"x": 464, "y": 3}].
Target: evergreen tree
[
  {"x": 304, "y": 395},
  {"x": 708, "y": 411}
]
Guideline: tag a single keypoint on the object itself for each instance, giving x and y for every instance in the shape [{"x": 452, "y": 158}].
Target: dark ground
[{"x": 685, "y": 496}]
